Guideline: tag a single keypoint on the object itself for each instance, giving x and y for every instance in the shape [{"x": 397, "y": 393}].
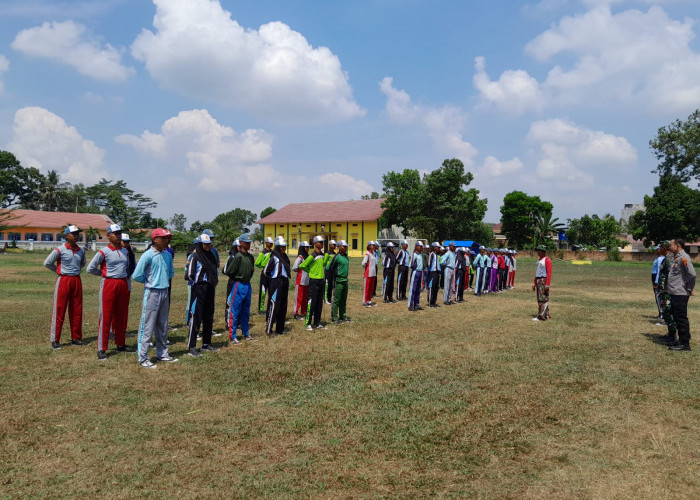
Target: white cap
[
  {"x": 279, "y": 242},
  {"x": 404, "y": 242},
  {"x": 332, "y": 242},
  {"x": 113, "y": 228},
  {"x": 304, "y": 244},
  {"x": 390, "y": 245},
  {"x": 435, "y": 244},
  {"x": 318, "y": 238},
  {"x": 342, "y": 243},
  {"x": 236, "y": 242},
  {"x": 268, "y": 240},
  {"x": 72, "y": 229},
  {"x": 205, "y": 238},
  {"x": 126, "y": 237}
]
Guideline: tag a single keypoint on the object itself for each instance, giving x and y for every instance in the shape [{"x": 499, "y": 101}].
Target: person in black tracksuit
[
  {"x": 328, "y": 274},
  {"x": 203, "y": 273},
  {"x": 403, "y": 259},
  {"x": 278, "y": 270},
  {"x": 389, "y": 265},
  {"x": 461, "y": 272}
]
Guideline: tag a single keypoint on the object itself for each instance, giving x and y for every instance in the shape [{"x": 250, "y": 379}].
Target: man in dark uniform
[
  {"x": 403, "y": 259},
  {"x": 389, "y": 265}
]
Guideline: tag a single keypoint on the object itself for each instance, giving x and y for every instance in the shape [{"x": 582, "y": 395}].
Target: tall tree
[
  {"x": 673, "y": 211},
  {"x": 123, "y": 205},
  {"x": 594, "y": 231},
  {"x": 19, "y": 186},
  {"x": 437, "y": 206},
  {"x": 178, "y": 223},
  {"x": 677, "y": 147},
  {"x": 267, "y": 211},
  {"x": 545, "y": 227},
  {"x": 52, "y": 192},
  {"x": 229, "y": 225},
  {"x": 519, "y": 214}
]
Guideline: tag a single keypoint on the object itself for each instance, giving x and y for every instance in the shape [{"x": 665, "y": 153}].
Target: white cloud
[
  {"x": 4, "y": 67},
  {"x": 642, "y": 57},
  {"x": 68, "y": 43},
  {"x": 444, "y": 125},
  {"x": 514, "y": 92},
  {"x": 197, "y": 50},
  {"x": 42, "y": 139},
  {"x": 493, "y": 167},
  {"x": 569, "y": 154}
]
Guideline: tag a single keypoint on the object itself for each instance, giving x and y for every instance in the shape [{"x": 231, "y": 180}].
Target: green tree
[
  {"x": 178, "y": 223},
  {"x": 519, "y": 214},
  {"x": 229, "y": 225},
  {"x": 123, "y": 205},
  {"x": 6, "y": 218},
  {"x": 267, "y": 211},
  {"x": 594, "y": 231},
  {"x": 673, "y": 211},
  {"x": 545, "y": 226},
  {"x": 437, "y": 206},
  {"x": 372, "y": 196},
  {"x": 19, "y": 186},
  {"x": 52, "y": 192},
  {"x": 677, "y": 147}
]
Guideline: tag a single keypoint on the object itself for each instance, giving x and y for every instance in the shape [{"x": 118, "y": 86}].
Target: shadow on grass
[{"x": 656, "y": 338}]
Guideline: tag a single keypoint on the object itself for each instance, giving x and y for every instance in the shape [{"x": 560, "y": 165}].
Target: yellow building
[
  {"x": 352, "y": 221},
  {"x": 36, "y": 225}
]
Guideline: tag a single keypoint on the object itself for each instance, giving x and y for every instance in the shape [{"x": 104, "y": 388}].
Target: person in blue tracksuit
[
  {"x": 416, "y": 279},
  {"x": 434, "y": 271},
  {"x": 240, "y": 269},
  {"x": 481, "y": 265},
  {"x": 403, "y": 259}
]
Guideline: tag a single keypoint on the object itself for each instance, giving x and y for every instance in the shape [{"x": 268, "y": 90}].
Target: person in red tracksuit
[
  {"x": 115, "y": 267},
  {"x": 369, "y": 263},
  {"x": 67, "y": 261}
]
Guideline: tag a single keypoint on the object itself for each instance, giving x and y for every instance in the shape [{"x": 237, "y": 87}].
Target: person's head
[
  {"x": 677, "y": 245},
  {"x": 541, "y": 251},
  {"x": 419, "y": 247},
  {"x": 160, "y": 238},
  {"x": 209, "y": 233},
  {"x": 126, "y": 240},
  {"x": 482, "y": 250},
  {"x": 343, "y": 247},
  {"x": 269, "y": 243},
  {"x": 205, "y": 240},
  {"x": 71, "y": 234},
  {"x": 664, "y": 247},
  {"x": 280, "y": 244},
  {"x": 435, "y": 247},
  {"x": 244, "y": 242},
  {"x": 114, "y": 235},
  {"x": 404, "y": 245},
  {"x": 318, "y": 243},
  {"x": 390, "y": 247},
  {"x": 452, "y": 247},
  {"x": 332, "y": 245}
]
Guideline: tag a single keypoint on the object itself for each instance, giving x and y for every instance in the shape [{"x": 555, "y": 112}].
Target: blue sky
[{"x": 207, "y": 105}]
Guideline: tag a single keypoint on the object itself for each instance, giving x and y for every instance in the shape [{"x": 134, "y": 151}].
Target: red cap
[{"x": 159, "y": 231}]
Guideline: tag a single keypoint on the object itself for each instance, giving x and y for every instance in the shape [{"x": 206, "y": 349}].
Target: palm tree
[
  {"x": 545, "y": 225},
  {"x": 51, "y": 191}
]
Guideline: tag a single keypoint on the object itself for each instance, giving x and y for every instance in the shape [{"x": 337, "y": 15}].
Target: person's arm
[
  {"x": 83, "y": 261},
  {"x": 140, "y": 271},
  {"x": 270, "y": 266},
  {"x": 171, "y": 266},
  {"x": 548, "y": 266},
  {"x": 304, "y": 266},
  {"x": 689, "y": 275},
  {"x": 95, "y": 266},
  {"x": 132, "y": 262},
  {"x": 365, "y": 260},
  {"x": 232, "y": 266},
  {"x": 50, "y": 262}
]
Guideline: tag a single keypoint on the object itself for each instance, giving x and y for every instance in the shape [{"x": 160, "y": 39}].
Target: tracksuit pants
[
  {"x": 480, "y": 280},
  {"x": 679, "y": 309},
  {"x": 388, "y": 284},
  {"x": 238, "y": 301},
  {"x": 433, "y": 287},
  {"x": 188, "y": 312},
  {"x": 448, "y": 290},
  {"x": 656, "y": 293},
  {"x": 330, "y": 285},
  {"x": 154, "y": 322},
  {"x": 460, "y": 284},
  {"x": 315, "y": 308},
  {"x": 262, "y": 292},
  {"x": 471, "y": 279},
  {"x": 403, "y": 282},
  {"x": 340, "y": 300},
  {"x": 370, "y": 283},
  {"x": 204, "y": 296},
  {"x": 67, "y": 295},
  {"x": 415, "y": 289},
  {"x": 277, "y": 304},
  {"x": 511, "y": 278},
  {"x": 301, "y": 298},
  {"x": 114, "y": 312},
  {"x": 494, "y": 280}
]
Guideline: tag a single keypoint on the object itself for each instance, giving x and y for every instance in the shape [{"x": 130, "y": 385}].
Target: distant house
[
  {"x": 36, "y": 225},
  {"x": 353, "y": 221}
]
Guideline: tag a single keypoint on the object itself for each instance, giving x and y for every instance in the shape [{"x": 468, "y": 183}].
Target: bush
[{"x": 613, "y": 254}]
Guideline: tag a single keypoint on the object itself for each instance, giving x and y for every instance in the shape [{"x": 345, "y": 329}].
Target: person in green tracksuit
[
  {"x": 339, "y": 266},
  {"x": 260, "y": 263},
  {"x": 314, "y": 265}
]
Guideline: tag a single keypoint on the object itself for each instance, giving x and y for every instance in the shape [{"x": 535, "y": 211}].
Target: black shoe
[
  {"x": 101, "y": 356},
  {"x": 209, "y": 347},
  {"x": 123, "y": 348},
  {"x": 169, "y": 343},
  {"x": 411, "y": 308},
  {"x": 55, "y": 346},
  {"x": 78, "y": 342},
  {"x": 418, "y": 308},
  {"x": 194, "y": 353},
  {"x": 679, "y": 347}
]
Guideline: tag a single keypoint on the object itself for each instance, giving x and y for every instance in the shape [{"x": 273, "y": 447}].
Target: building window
[
  {"x": 2, "y": 236},
  {"x": 308, "y": 225},
  {"x": 354, "y": 225},
  {"x": 30, "y": 236},
  {"x": 60, "y": 237},
  {"x": 14, "y": 236},
  {"x": 46, "y": 237},
  {"x": 294, "y": 225},
  {"x": 294, "y": 242},
  {"x": 80, "y": 237},
  {"x": 281, "y": 225},
  {"x": 354, "y": 243},
  {"x": 338, "y": 225}
]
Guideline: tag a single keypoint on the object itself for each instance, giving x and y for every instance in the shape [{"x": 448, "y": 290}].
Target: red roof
[
  {"x": 58, "y": 220},
  {"x": 326, "y": 211}
]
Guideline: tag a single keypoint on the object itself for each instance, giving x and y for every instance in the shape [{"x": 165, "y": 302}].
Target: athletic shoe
[
  {"x": 169, "y": 342},
  {"x": 194, "y": 353},
  {"x": 419, "y": 308},
  {"x": 536, "y": 319},
  {"x": 309, "y": 328},
  {"x": 251, "y": 339},
  {"x": 101, "y": 356},
  {"x": 347, "y": 319},
  {"x": 411, "y": 308},
  {"x": 55, "y": 346},
  {"x": 78, "y": 342},
  {"x": 679, "y": 347},
  {"x": 336, "y": 321},
  {"x": 167, "y": 359},
  {"x": 326, "y": 302},
  {"x": 298, "y": 316},
  {"x": 123, "y": 348},
  {"x": 216, "y": 334},
  {"x": 659, "y": 323},
  {"x": 320, "y": 327},
  {"x": 172, "y": 328},
  {"x": 209, "y": 347},
  {"x": 148, "y": 364},
  {"x": 235, "y": 342}
]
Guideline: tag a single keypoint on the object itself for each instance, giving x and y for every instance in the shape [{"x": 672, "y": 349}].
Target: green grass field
[{"x": 473, "y": 400}]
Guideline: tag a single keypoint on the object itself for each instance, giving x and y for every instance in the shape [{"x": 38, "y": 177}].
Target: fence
[{"x": 138, "y": 246}]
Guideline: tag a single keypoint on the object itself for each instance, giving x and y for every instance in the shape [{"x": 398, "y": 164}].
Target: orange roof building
[
  {"x": 353, "y": 221},
  {"x": 48, "y": 226}
]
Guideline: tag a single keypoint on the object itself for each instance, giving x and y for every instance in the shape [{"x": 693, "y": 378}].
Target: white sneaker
[
  {"x": 535, "y": 319},
  {"x": 167, "y": 359},
  {"x": 148, "y": 364},
  {"x": 309, "y": 328}
]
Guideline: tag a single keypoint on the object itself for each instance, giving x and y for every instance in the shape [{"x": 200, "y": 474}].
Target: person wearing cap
[
  {"x": 416, "y": 278},
  {"x": 543, "y": 278},
  {"x": 340, "y": 268},
  {"x": 67, "y": 261},
  {"x": 260, "y": 263},
  {"x": 188, "y": 257},
  {"x": 203, "y": 273},
  {"x": 493, "y": 286},
  {"x": 664, "y": 296},
  {"x": 470, "y": 255},
  {"x": 655, "y": 279},
  {"x": 403, "y": 260},
  {"x": 480, "y": 265},
  {"x": 369, "y": 264},
  {"x": 330, "y": 285},
  {"x": 681, "y": 285},
  {"x": 316, "y": 269},
  {"x": 113, "y": 265},
  {"x": 389, "y": 270},
  {"x": 511, "y": 270},
  {"x": 434, "y": 270},
  {"x": 155, "y": 270},
  {"x": 229, "y": 285},
  {"x": 449, "y": 264},
  {"x": 278, "y": 270},
  {"x": 461, "y": 270},
  {"x": 240, "y": 269},
  {"x": 301, "y": 287}
]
